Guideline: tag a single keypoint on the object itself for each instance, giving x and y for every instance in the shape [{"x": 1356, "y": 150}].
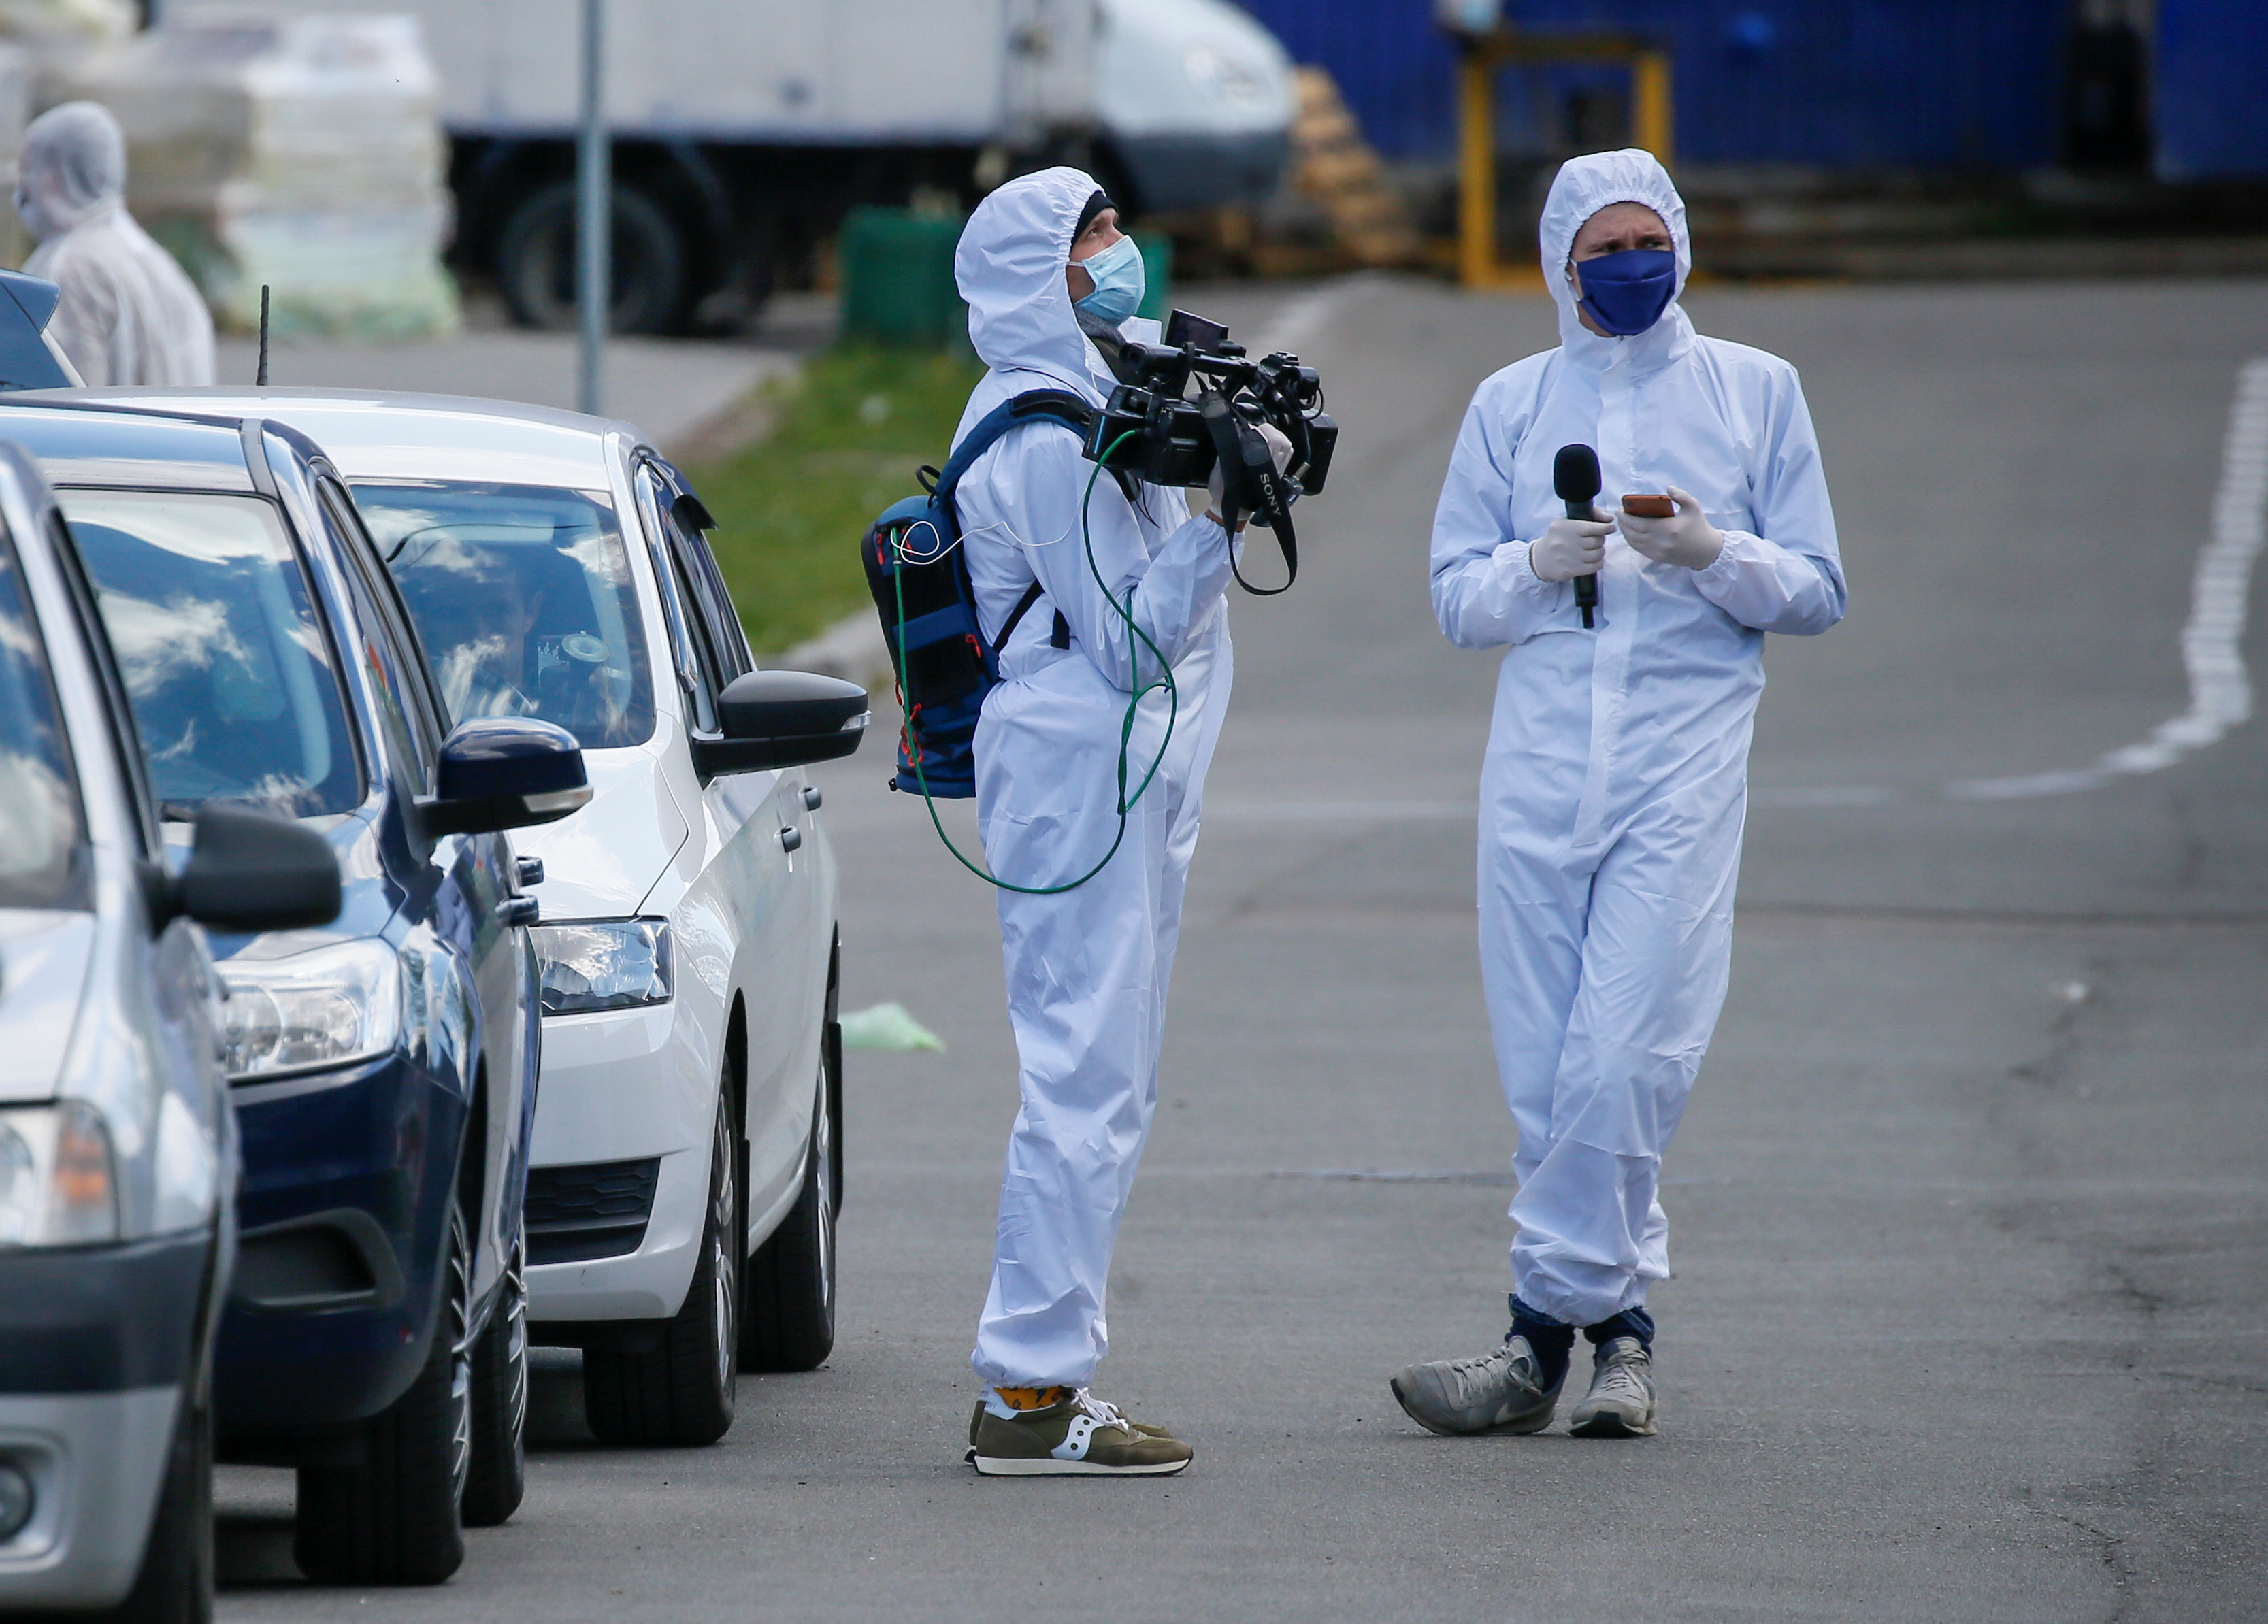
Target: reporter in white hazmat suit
[
  {"x": 128, "y": 313},
  {"x": 1042, "y": 266},
  {"x": 1615, "y": 780}
]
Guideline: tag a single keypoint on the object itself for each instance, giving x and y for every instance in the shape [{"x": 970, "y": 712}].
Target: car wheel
[
  {"x": 536, "y": 262},
  {"x": 496, "y": 1480},
  {"x": 175, "y": 1585},
  {"x": 396, "y": 1518},
  {"x": 681, "y": 1391},
  {"x": 790, "y": 1296}
]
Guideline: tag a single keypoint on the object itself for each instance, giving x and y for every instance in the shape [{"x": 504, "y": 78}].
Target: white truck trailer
[{"x": 745, "y": 128}]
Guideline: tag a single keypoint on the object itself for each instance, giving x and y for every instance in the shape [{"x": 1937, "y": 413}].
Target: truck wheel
[
  {"x": 394, "y": 1519},
  {"x": 790, "y": 1296},
  {"x": 175, "y": 1585},
  {"x": 496, "y": 1479},
  {"x": 536, "y": 262},
  {"x": 681, "y": 1391}
]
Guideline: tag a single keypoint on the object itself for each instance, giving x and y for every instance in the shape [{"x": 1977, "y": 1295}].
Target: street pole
[{"x": 593, "y": 215}]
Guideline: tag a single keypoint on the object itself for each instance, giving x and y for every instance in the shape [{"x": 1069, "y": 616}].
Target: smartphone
[{"x": 1649, "y": 507}]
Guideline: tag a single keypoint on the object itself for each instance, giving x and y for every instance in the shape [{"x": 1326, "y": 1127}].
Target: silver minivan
[{"x": 118, "y": 1152}]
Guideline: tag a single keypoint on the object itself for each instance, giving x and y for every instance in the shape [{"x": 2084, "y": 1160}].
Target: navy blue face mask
[{"x": 1625, "y": 293}]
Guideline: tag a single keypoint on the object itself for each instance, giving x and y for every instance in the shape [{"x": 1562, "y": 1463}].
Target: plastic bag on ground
[{"x": 889, "y": 1028}]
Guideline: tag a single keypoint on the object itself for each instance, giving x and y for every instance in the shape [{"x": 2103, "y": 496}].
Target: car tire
[
  {"x": 397, "y": 1518},
  {"x": 496, "y": 1479},
  {"x": 536, "y": 262},
  {"x": 680, "y": 1392},
  {"x": 790, "y": 1315},
  {"x": 831, "y": 1055},
  {"x": 175, "y": 1584}
]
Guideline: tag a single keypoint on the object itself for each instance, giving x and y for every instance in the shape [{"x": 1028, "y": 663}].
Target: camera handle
[{"x": 1248, "y": 479}]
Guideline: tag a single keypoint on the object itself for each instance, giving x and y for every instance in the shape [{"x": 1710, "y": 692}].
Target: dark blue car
[{"x": 383, "y": 1067}]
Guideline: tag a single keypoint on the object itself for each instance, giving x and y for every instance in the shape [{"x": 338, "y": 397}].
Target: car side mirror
[
  {"x": 253, "y": 871},
  {"x": 782, "y": 719},
  {"x": 504, "y": 773}
]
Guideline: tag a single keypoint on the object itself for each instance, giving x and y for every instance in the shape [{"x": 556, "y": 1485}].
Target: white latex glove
[
  {"x": 1279, "y": 447},
  {"x": 1570, "y": 548},
  {"x": 1686, "y": 538}
]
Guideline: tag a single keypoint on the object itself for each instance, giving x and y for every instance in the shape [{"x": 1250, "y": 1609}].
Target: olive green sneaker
[
  {"x": 1079, "y": 1435},
  {"x": 976, "y": 1419}
]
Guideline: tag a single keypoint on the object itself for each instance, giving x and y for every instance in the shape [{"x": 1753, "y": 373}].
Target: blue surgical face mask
[
  {"x": 1625, "y": 293},
  {"x": 1118, "y": 282}
]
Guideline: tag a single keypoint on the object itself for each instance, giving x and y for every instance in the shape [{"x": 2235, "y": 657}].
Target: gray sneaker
[
  {"x": 1620, "y": 1404},
  {"x": 1501, "y": 1391}
]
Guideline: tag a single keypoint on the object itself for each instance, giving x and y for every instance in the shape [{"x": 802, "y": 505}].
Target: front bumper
[
  {"x": 618, "y": 1087},
  {"x": 95, "y": 1345},
  {"x": 347, "y": 1180}
]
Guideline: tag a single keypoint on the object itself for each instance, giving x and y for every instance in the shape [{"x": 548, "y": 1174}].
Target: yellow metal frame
[{"x": 1650, "y": 128}]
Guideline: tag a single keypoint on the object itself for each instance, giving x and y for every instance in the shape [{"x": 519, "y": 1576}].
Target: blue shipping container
[
  {"x": 1844, "y": 84},
  {"x": 2212, "y": 92},
  {"x": 1395, "y": 68}
]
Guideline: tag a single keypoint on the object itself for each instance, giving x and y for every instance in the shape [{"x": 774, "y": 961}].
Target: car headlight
[
  {"x": 58, "y": 1183},
  {"x": 329, "y": 1006},
  {"x": 603, "y": 964}
]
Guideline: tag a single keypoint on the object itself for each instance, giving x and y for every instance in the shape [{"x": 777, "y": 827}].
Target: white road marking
[
  {"x": 2213, "y": 647},
  {"x": 2212, "y": 639}
]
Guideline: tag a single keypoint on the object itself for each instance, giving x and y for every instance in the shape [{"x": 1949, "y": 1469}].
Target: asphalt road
[{"x": 1968, "y": 1210}]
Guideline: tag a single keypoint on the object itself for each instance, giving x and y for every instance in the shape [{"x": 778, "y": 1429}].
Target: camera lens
[{"x": 18, "y": 1499}]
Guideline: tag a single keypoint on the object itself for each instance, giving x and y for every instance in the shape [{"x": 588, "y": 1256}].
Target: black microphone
[{"x": 1575, "y": 482}]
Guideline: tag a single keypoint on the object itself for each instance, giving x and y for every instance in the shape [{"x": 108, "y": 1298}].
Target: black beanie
[{"x": 1095, "y": 205}]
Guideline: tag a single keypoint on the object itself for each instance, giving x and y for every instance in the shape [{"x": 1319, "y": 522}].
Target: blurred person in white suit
[{"x": 128, "y": 313}]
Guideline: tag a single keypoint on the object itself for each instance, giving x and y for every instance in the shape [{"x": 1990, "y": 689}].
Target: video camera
[{"x": 1156, "y": 429}]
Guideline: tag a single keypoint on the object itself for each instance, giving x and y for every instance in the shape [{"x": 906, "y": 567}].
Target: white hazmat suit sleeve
[
  {"x": 1792, "y": 583},
  {"x": 1485, "y": 593},
  {"x": 1039, "y": 474}
]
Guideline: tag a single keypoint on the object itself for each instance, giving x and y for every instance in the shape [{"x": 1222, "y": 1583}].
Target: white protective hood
[
  {"x": 73, "y": 168},
  {"x": 1010, "y": 267},
  {"x": 1582, "y": 187}
]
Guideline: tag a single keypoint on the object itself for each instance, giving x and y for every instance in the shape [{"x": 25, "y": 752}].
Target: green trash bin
[
  {"x": 1157, "y": 275},
  {"x": 897, "y": 278}
]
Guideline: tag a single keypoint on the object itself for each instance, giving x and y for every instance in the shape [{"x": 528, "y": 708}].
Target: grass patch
[{"x": 790, "y": 508}]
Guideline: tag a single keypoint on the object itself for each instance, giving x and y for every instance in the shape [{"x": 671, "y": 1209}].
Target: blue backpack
[{"x": 920, "y": 582}]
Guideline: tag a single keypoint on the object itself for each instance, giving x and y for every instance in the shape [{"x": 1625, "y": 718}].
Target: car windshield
[
  {"x": 230, "y": 673},
  {"x": 39, "y": 796},
  {"x": 522, "y": 596}
]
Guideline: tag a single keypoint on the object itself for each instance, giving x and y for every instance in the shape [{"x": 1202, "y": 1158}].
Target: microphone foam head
[{"x": 1575, "y": 474}]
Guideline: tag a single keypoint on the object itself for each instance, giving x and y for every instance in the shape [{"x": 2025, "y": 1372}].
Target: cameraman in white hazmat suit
[
  {"x": 128, "y": 313},
  {"x": 1087, "y": 968},
  {"x": 1615, "y": 780}
]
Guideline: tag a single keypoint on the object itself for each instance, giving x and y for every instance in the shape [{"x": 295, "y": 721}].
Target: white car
[
  {"x": 686, "y": 1169},
  {"x": 118, "y": 1152}
]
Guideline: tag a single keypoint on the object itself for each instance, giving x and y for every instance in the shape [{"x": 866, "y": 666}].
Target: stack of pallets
[{"x": 1333, "y": 166}]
